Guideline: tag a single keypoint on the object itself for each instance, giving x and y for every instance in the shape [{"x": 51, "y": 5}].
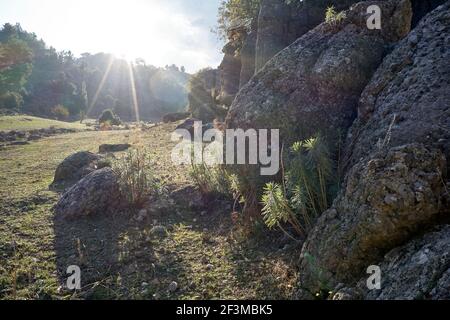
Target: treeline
[{"x": 36, "y": 79}]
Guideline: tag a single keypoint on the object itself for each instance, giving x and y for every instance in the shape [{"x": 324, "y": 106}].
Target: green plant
[
  {"x": 308, "y": 186},
  {"x": 277, "y": 209},
  {"x": 109, "y": 117},
  {"x": 332, "y": 17},
  {"x": 136, "y": 178},
  {"x": 211, "y": 180},
  {"x": 60, "y": 112}
]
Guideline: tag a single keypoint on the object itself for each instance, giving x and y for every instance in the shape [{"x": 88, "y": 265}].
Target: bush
[
  {"x": 60, "y": 112},
  {"x": 211, "y": 180},
  {"x": 136, "y": 178},
  {"x": 109, "y": 117},
  {"x": 308, "y": 187}
]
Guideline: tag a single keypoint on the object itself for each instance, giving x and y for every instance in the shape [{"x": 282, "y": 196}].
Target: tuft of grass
[
  {"x": 136, "y": 177},
  {"x": 334, "y": 18}
]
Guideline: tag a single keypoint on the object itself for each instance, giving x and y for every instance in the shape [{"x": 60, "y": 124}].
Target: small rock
[
  {"x": 173, "y": 286},
  {"x": 141, "y": 215},
  {"x": 209, "y": 266}
]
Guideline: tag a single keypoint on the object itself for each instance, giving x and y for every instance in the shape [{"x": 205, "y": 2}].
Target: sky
[{"x": 161, "y": 32}]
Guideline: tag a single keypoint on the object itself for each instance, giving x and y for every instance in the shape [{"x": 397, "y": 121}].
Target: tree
[
  {"x": 83, "y": 100},
  {"x": 14, "y": 52},
  {"x": 235, "y": 11}
]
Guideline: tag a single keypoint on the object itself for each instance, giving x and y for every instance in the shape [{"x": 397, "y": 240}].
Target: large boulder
[
  {"x": 385, "y": 202},
  {"x": 97, "y": 193},
  {"x": 74, "y": 168},
  {"x": 314, "y": 84},
  {"x": 407, "y": 99},
  {"x": 417, "y": 270},
  {"x": 396, "y": 169}
]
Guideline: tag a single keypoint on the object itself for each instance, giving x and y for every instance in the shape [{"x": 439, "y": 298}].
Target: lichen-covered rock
[
  {"x": 314, "y": 84},
  {"x": 74, "y": 168},
  {"x": 385, "y": 202},
  {"x": 417, "y": 270},
  {"x": 407, "y": 99},
  {"x": 97, "y": 193}
]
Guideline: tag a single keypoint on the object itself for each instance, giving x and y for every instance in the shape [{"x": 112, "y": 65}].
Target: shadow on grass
[{"x": 110, "y": 252}]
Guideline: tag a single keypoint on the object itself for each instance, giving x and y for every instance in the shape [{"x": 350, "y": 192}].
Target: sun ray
[
  {"x": 100, "y": 86},
  {"x": 133, "y": 91}
]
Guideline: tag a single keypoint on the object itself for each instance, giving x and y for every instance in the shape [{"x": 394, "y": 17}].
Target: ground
[{"x": 120, "y": 258}]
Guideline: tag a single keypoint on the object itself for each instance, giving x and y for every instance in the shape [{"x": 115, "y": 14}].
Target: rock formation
[
  {"x": 74, "y": 168},
  {"x": 396, "y": 182},
  {"x": 97, "y": 193}
]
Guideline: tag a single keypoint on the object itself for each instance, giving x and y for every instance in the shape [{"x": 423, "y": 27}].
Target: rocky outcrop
[
  {"x": 314, "y": 84},
  {"x": 396, "y": 168},
  {"x": 407, "y": 99},
  {"x": 97, "y": 193},
  {"x": 230, "y": 68},
  {"x": 74, "y": 168}
]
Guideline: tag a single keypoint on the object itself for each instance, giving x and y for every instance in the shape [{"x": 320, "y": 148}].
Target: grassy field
[
  {"x": 24, "y": 123},
  {"x": 119, "y": 258}
]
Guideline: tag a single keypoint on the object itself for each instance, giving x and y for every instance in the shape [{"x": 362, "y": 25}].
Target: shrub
[
  {"x": 136, "y": 178},
  {"x": 60, "y": 112},
  {"x": 109, "y": 117},
  {"x": 211, "y": 180},
  {"x": 308, "y": 186}
]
